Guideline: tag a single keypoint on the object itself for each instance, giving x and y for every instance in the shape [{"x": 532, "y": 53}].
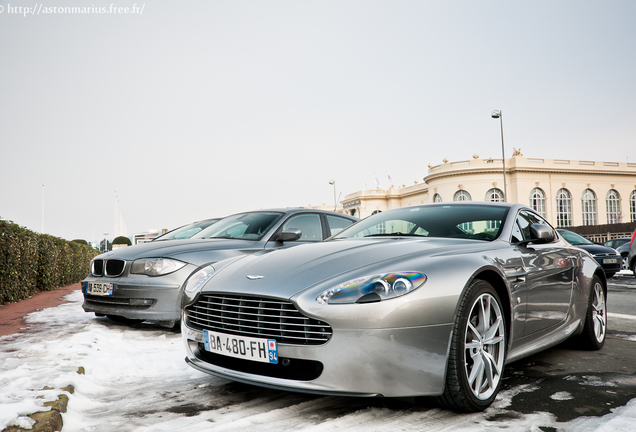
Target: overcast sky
[{"x": 197, "y": 109}]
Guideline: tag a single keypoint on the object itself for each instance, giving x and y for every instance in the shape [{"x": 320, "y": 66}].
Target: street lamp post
[
  {"x": 498, "y": 114},
  {"x": 335, "y": 204}
]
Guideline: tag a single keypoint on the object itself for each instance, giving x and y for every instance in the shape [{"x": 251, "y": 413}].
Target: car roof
[{"x": 291, "y": 210}]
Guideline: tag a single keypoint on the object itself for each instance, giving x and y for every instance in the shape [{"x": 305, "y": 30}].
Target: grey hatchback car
[{"x": 145, "y": 282}]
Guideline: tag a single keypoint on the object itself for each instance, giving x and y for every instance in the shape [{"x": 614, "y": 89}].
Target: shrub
[
  {"x": 122, "y": 240},
  {"x": 31, "y": 262}
]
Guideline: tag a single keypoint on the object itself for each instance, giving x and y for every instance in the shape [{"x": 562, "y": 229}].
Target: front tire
[
  {"x": 478, "y": 351},
  {"x": 595, "y": 329}
]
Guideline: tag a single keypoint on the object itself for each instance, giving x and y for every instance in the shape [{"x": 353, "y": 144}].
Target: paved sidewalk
[{"x": 12, "y": 315}]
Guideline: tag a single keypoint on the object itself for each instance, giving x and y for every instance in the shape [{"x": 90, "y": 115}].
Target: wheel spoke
[
  {"x": 477, "y": 374},
  {"x": 493, "y": 330},
  {"x": 484, "y": 314},
  {"x": 472, "y": 345},
  {"x": 492, "y": 365},
  {"x": 477, "y": 335},
  {"x": 599, "y": 327}
]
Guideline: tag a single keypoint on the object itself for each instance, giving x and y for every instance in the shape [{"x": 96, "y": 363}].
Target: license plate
[
  {"x": 99, "y": 288},
  {"x": 248, "y": 348},
  {"x": 610, "y": 261}
]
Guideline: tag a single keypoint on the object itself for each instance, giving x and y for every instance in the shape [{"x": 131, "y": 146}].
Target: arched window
[
  {"x": 495, "y": 195},
  {"x": 537, "y": 201},
  {"x": 437, "y": 198},
  {"x": 353, "y": 212},
  {"x": 613, "y": 203},
  {"x": 462, "y": 195},
  {"x": 588, "y": 201},
  {"x": 381, "y": 227},
  {"x": 632, "y": 206},
  {"x": 564, "y": 208}
]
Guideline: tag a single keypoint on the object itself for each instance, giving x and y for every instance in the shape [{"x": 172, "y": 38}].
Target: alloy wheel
[
  {"x": 599, "y": 314},
  {"x": 484, "y": 346}
]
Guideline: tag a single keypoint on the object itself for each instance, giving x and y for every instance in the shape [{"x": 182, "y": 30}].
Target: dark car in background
[
  {"x": 145, "y": 282},
  {"x": 616, "y": 242},
  {"x": 607, "y": 257}
]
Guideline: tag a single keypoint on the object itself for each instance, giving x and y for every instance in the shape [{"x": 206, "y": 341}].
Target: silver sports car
[
  {"x": 430, "y": 300},
  {"x": 145, "y": 282}
]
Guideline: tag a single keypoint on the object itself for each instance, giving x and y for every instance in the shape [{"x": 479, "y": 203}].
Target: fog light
[{"x": 140, "y": 302}]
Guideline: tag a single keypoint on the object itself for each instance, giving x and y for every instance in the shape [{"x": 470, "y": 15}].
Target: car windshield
[
  {"x": 186, "y": 231},
  {"x": 243, "y": 226},
  {"x": 573, "y": 238},
  {"x": 478, "y": 222}
]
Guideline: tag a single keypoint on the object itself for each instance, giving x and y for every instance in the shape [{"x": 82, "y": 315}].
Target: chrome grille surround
[{"x": 259, "y": 317}]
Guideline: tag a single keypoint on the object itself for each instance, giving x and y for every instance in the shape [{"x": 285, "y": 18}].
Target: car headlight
[
  {"x": 199, "y": 278},
  {"x": 371, "y": 289},
  {"x": 156, "y": 266}
]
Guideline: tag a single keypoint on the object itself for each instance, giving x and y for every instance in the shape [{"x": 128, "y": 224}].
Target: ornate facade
[{"x": 566, "y": 192}]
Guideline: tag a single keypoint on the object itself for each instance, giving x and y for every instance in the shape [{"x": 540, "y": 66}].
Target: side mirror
[
  {"x": 541, "y": 234},
  {"x": 289, "y": 234}
]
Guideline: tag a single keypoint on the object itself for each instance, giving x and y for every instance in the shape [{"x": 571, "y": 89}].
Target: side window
[
  {"x": 517, "y": 235},
  {"x": 524, "y": 225},
  {"x": 337, "y": 224},
  {"x": 308, "y": 224}
]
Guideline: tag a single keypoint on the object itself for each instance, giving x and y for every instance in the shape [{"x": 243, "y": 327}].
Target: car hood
[
  {"x": 597, "y": 249},
  {"x": 194, "y": 251},
  {"x": 285, "y": 272}
]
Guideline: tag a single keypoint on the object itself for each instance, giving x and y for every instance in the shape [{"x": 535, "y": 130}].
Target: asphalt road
[{"x": 570, "y": 382}]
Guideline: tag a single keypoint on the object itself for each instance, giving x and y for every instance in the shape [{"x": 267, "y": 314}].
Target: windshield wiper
[
  {"x": 398, "y": 234},
  {"x": 222, "y": 237}
]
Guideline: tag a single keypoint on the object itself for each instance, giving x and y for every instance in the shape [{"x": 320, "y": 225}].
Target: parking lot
[{"x": 135, "y": 379}]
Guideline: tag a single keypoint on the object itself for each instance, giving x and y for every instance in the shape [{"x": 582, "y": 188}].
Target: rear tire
[
  {"x": 478, "y": 351},
  {"x": 595, "y": 329}
]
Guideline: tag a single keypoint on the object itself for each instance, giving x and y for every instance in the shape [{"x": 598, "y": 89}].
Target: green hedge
[{"x": 31, "y": 262}]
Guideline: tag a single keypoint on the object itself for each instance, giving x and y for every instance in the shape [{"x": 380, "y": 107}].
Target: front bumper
[
  {"x": 610, "y": 267},
  {"x": 152, "y": 301},
  {"x": 392, "y": 362}
]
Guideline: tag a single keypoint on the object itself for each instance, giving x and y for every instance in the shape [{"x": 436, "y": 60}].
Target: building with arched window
[{"x": 566, "y": 192}]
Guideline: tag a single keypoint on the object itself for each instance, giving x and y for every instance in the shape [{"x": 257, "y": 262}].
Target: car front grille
[
  {"x": 114, "y": 267},
  {"x": 97, "y": 267},
  {"x": 256, "y": 317}
]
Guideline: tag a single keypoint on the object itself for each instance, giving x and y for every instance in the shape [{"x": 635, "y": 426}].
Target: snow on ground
[{"x": 136, "y": 380}]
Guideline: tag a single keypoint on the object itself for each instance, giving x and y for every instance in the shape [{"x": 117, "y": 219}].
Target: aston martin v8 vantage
[{"x": 429, "y": 300}]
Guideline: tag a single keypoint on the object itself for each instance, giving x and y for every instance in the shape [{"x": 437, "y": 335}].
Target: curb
[{"x": 48, "y": 421}]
